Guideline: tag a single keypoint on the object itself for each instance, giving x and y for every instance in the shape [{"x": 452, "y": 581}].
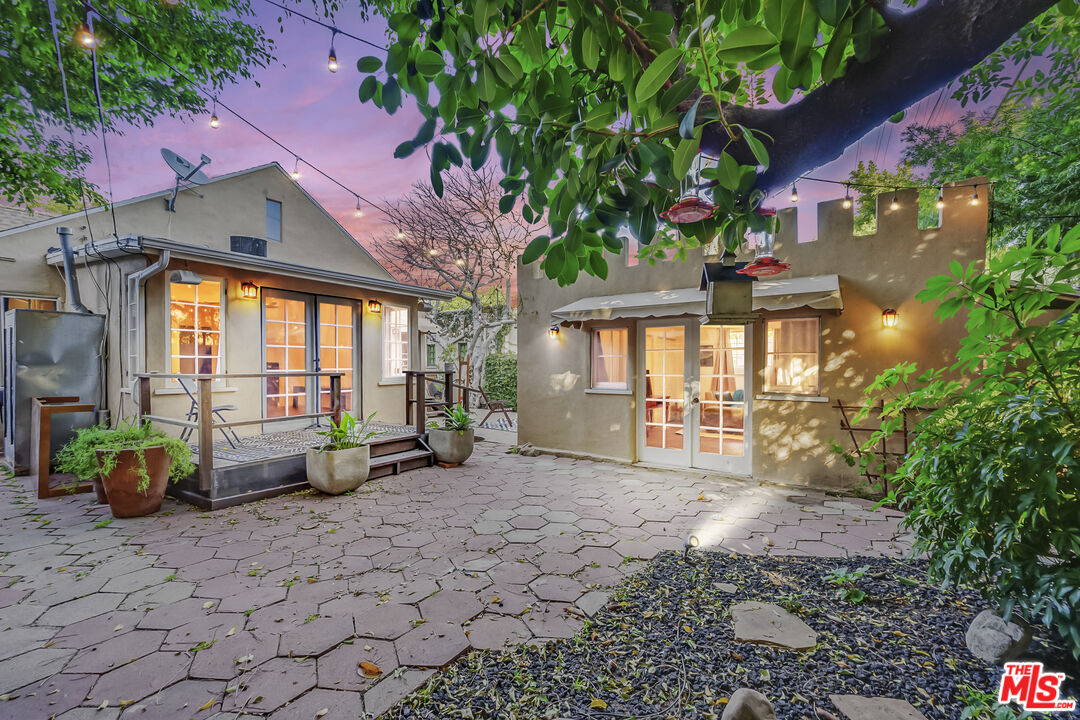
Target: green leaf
[
  {"x": 868, "y": 33},
  {"x": 800, "y": 30},
  {"x": 368, "y": 64},
  {"x": 367, "y": 88},
  {"x": 834, "y": 54},
  {"x": 488, "y": 82},
  {"x": 898, "y": 117},
  {"x": 679, "y": 91},
  {"x": 430, "y": 63},
  {"x": 832, "y": 11},
  {"x": 425, "y": 133},
  {"x": 684, "y": 154},
  {"x": 508, "y": 68},
  {"x": 590, "y": 49},
  {"x": 535, "y": 249},
  {"x": 686, "y": 125},
  {"x": 406, "y": 25},
  {"x": 598, "y": 265},
  {"x": 756, "y": 147},
  {"x": 745, "y": 43},
  {"x": 404, "y": 150},
  {"x": 506, "y": 203},
  {"x": 780, "y": 86},
  {"x": 657, "y": 74},
  {"x": 553, "y": 263},
  {"x": 391, "y": 96}
]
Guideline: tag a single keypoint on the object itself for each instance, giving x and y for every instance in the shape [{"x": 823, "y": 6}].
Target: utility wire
[
  {"x": 328, "y": 26},
  {"x": 236, "y": 113}
]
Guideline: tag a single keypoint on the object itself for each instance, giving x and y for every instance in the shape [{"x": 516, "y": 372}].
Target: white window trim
[
  {"x": 394, "y": 379},
  {"x": 814, "y": 396},
  {"x": 609, "y": 388},
  {"x": 217, "y": 385}
]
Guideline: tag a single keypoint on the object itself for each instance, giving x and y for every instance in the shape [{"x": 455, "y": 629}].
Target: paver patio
[{"x": 269, "y": 608}]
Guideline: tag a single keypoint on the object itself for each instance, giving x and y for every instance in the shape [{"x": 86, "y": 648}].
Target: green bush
[
  {"x": 79, "y": 456},
  {"x": 991, "y": 483},
  {"x": 500, "y": 379}
]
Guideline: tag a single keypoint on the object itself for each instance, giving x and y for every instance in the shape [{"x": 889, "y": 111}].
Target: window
[
  {"x": 17, "y": 303},
  {"x": 195, "y": 327},
  {"x": 462, "y": 350},
  {"x": 791, "y": 356},
  {"x": 431, "y": 354},
  {"x": 395, "y": 341},
  {"x": 609, "y": 358},
  {"x": 273, "y": 220},
  {"x": 336, "y": 351}
]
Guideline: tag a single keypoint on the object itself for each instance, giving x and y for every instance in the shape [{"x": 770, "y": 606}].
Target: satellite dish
[{"x": 186, "y": 172}]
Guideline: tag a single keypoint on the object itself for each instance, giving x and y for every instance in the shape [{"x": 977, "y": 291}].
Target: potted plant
[
  {"x": 453, "y": 442},
  {"x": 131, "y": 463},
  {"x": 341, "y": 463}
]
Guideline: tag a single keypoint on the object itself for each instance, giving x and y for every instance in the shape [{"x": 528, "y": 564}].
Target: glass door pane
[
  {"x": 664, "y": 386},
  {"x": 286, "y": 334},
  {"x": 336, "y": 350},
  {"x": 722, "y": 407}
]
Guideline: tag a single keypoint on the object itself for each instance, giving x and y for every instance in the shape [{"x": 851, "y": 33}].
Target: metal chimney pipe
[{"x": 69, "y": 270}]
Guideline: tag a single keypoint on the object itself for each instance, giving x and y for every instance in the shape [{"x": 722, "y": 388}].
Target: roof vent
[{"x": 247, "y": 245}]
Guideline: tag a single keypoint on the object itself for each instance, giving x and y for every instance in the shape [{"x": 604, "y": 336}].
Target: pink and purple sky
[{"x": 318, "y": 114}]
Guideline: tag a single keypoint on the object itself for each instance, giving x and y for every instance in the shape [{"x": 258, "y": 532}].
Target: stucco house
[
  {"x": 624, "y": 369},
  {"x": 249, "y": 274}
]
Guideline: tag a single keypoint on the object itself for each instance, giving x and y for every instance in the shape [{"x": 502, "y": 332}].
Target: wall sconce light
[
  {"x": 249, "y": 290},
  {"x": 553, "y": 332},
  {"x": 889, "y": 318},
  {"x": 374, "y": 306}
]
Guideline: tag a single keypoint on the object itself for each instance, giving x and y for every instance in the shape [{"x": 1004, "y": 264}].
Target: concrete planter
[
  {"x": 336, "y": 471},
  {"x": 121, "y": 485},
  {"x": 451, "y": 447}
]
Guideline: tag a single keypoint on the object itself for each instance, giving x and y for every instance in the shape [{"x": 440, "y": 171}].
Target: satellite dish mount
[{"x": 187, "y": 173}]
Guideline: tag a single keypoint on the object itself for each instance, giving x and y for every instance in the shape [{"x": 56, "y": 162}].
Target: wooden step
[
  {"x": 398, "y": 462},
  {"x": 394, "y": 444}
]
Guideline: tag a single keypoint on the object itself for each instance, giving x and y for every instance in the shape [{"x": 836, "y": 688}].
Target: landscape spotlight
[{"x": 691, "y": 542}]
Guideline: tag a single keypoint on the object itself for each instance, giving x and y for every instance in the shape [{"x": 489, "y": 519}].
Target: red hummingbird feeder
[
  {"x": 688, "y": 210},
  {"x": 765, "y": 262}
]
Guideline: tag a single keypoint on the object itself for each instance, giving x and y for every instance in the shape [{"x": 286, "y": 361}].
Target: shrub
[
  {"x": 79, "y": 455},
  {"x": 500, "y": 379},
  {"x": 991, "y": 483}
]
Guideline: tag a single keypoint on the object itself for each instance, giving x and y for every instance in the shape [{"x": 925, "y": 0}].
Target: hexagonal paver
[
  {"x": 140, "y": 679},
  {"x": 181, "y": 700},
  {"x": 528, "y": 522},
  {"x": 551, "y": 620},
  {"x": 635, "y": 549},
  {"x": 387, "y": 621},
  {"x": 494, "y": 632},
  {"x": 557, "y": 588},
  {"x": 507, "y": 600},
  {"x": 82, "y": 608},
  {"x": 31, "y": 667},
  {"x": 387, "y": 693},
  {"x": 560, "y": 563},
  {"x": 340, "y": 668},
  {"x": 271, "y": 685},
  {"x": 317, "y": 636},
  {"x": 451, "y": 605},
  {"x": 117, "y": 651},
  {"x": 169, "y": 617},
  {"x": 561, "y": 516},
  {"x": 527, "y": 537},
  {"x": 432, "y": 644},
  {"x": 203, "y": 631},
  {"x": 338, "y": 705},
  {"x": 221, "y": 661},
  {"x": 513, "y": 573},
  {"x": 55, "y": 695},
  {"x": 367, "y": 546}
]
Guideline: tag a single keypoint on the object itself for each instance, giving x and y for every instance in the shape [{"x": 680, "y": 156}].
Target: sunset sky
[{"x": 317, "y": 114}]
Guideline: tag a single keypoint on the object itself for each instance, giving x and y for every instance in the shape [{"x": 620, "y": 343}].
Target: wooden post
[
  {"x": 408, "y": 397},
  {"x": 144, "y": 396},
  {"x": 421, "y": 403},
  {"x": 448, "y": 389},
  {"x": 335, "y": 399},
  {"x": 206, "y": 434}
]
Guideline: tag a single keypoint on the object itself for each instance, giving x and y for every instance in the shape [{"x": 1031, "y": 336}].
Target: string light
[
  {"x": 359, "y": 210},
  {"x": 847, "y": 197},
  {"x": 85, "y": 38},
  {"x": 794, "y": 194},
  {"x": 433, "y": 252},
  {"x": 400, "y": 235},
  {"x": 331, "y": 62},
  {"x": 895, "y": 204},
  {"x": 296, "y": 168},
  {"x": 941, "y": 198},
  {"x": 460, "y": 262},
  {"x": 214, "y": 122},
  {"x": 975, "y": 196}
]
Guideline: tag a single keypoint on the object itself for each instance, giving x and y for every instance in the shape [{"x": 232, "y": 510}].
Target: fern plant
[{"x": 79, "y": 456}]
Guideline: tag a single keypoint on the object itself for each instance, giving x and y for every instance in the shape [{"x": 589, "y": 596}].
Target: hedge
[{"x": 500, "y": 379}]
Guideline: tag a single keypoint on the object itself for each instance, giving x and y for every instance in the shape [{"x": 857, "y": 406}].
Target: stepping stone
[
  {"x": 767, "y": 624},
  {"x": 724, "y": 587},
  {"x": 856, "y": 707}
]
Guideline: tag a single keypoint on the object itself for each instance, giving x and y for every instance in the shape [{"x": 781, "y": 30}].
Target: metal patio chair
[{"x": 216, "y": 410}]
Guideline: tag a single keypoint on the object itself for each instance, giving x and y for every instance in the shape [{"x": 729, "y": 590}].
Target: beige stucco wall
[{"x": 791, "y": 438}]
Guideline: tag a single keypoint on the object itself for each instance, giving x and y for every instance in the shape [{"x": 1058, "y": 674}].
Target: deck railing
[{"x": 206, "y": 424}]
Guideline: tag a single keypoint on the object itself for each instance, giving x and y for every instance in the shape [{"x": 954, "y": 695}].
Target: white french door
[{"x": 694, "y": 382}]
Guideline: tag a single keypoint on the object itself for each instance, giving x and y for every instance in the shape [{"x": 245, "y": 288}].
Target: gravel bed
[{"x": 664, "y": 648}]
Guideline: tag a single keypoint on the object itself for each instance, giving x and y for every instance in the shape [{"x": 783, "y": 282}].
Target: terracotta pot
[
  {"x": 451, "y": 447},
  {"x": 337, "y": 471},
  {"x": 99, "y": 489},
  {"x": 122, "y": 483}
]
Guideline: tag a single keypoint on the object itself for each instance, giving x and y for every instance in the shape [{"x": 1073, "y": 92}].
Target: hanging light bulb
[
  {"x": 975, "y": 196},
  {"x": 85, "y": 37},
  {"x": 214, "y": 122},
  {"x": 847, "y": 196},
  {"x": 433, "y": 252},
  {"x": 359, "y": 210},
  {"x": 400, "y": 235},
  {"x": 794, "y": 193},
  {"x": 895, "y": 204},
  {"x": 296, "y": 168},
  {"x": 460, "y": 262},
  {"x": 941, "y": 198},
  {"x": 331, "y": 62}
]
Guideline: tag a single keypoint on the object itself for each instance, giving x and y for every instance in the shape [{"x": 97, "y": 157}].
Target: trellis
[{"x": 881, "y": 451}]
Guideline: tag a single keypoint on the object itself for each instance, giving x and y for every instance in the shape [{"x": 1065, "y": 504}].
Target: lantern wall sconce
[
  {"x": 249, "y": 290},
  {"x": 889, "y": 318},
  {"x": 553, "y": 332},
  {"x": 374, "y": 306}
]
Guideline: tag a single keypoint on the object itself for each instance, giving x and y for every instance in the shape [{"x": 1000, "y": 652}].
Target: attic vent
[{"x": 248, "y": 245}]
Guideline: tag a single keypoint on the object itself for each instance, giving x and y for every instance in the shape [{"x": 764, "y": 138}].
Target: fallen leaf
[
  {"x": 104, "y": 704},
  {"x": 118, "y": 628},
  {"x": 687, "y": 628},
  {"x": 597, "y": 703},
  {"x": 232, "y": 631},
  {"x": 322, "y": 712},
  {"x": 208, "y": 604},
  {"x": 208, "y": 704},
  {"x": 370, "y": 669}
]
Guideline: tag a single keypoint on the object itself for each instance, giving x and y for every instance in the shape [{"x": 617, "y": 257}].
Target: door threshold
[{"x": 686, "y": 468}]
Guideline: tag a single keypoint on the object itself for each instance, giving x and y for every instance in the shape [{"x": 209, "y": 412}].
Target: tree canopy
[
  {"x": 597, "y": 110},
  {"x": 213, "y": 42}
]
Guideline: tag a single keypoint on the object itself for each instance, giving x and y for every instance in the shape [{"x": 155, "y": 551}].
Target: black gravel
[{"x": 664, "y": 648}]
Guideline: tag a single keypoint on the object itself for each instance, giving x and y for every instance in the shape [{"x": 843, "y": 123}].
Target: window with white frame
[
  {"x": 791, "y": 356},
  {"x": 431, "y": 354},
  {"x": 610, "y": 357},
  {"x": 395, "y": 341},
  {"x": 195, "y": 327}
]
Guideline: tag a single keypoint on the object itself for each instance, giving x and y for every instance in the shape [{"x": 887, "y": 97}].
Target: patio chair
[{"x": 216, "y": 410}]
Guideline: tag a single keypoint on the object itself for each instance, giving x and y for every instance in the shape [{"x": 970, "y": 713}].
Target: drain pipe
[
  {"x": 69, "y": 271},
  {"x": 137, "y": 321}
]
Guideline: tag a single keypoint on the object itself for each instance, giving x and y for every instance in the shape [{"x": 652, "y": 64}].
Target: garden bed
[{"x": 664, "y": 647}]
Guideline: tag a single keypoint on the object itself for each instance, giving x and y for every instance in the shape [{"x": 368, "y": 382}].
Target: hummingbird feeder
[
  {"x": 765, "y": 261},
  {"x": 690, "y": 209}
]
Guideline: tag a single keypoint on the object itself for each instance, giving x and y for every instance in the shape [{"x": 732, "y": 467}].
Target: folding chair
[{"x": 216, "y": 410}]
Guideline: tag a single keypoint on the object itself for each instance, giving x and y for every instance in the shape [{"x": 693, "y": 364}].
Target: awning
[{"x": 821, "y": 292}]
